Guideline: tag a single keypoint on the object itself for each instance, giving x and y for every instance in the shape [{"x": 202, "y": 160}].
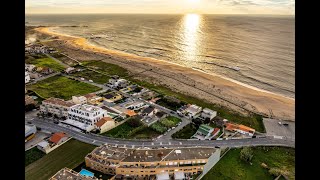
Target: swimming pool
[{"x": 85, "y": 172}]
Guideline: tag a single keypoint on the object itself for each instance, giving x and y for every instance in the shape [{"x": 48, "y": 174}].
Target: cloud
[{"x": 159, "y": 6}]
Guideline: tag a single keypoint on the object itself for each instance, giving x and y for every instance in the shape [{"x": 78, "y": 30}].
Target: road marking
[
  {"x": 180, "y": 143},
  {"x": 169, "y": 143},
  {"x": 132, "y": 146},
  {"x": 160, "y": 143},
  {"x": 152, "y": 143}
]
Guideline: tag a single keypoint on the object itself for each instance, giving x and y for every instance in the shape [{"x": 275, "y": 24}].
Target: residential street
[{"x": 99, "y": 140}]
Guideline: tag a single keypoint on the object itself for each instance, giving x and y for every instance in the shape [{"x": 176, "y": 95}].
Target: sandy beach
[{"x": 210, "y": 87}]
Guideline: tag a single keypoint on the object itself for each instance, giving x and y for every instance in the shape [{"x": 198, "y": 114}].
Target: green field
[
  {"x": 107, "y": 68},
  {"x": 62, "y": 87},
  {"x": 32, "y": 155},
  {"x": 254, "y": 121},
  {"x": 70, "y": 155},
  {"x": 91, "y": 75},
  {"x": 232, "y": 167},
  {"x": 186, "y": 132},
  {"x": 46, "y": 62},
  {"x": 127, "y": 131}
]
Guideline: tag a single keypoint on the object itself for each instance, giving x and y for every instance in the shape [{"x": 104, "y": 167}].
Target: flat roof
[
  {"x": 87, "y": 108},
  {"x": 190, "y": 153},
  {"x": 68, "y": 174},
  {"x": 152, "y": 155}
]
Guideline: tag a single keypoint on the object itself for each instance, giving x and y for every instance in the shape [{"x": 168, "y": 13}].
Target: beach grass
[
  {"x": 46, "y": 62},
  {"x": 69, "y": 155},
  {"x": 186, "y": 133},
  {"x": 232, "y": 167},
  {"x": 253, "y": 121},
  {"x": 62, "y": 87},
  {"x": 32, "y": 155},
  {"x": 91, "y": 75},
  {"x": 107, "y": 68}
]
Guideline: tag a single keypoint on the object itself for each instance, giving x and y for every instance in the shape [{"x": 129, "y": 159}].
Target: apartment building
[
  {"x": 85, "y": 116},
  {"x": 148, "y": 163},
  {"x": 27, "y": 77},
  {"x": 56, "y": 106}
]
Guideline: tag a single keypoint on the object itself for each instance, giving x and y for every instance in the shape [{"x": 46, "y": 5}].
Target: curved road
[{"x": 100, "y": 140}]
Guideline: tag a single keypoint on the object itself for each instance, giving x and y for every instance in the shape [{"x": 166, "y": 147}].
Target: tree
[
  {"x": 246, "y": 154},
  {"x": 29, "y": 107}
]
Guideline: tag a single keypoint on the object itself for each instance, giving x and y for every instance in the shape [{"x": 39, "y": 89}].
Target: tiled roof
[
  {"x": 103, "y": 120},
  {"x": 232, "y": 127},
  {"x": 56, "y": 137}
]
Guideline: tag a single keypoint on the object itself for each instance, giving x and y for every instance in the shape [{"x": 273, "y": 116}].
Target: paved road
[
  {"x": 43, "y": 78},
  {"x": 100, "y": 140}
]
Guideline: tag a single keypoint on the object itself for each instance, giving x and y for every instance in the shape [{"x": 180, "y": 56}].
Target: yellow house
[
  {"x": 105, "y": 124},
  {"x": 112, "y": 97}
]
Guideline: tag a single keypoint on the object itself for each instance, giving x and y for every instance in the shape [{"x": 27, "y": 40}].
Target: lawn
[
  {"x": 32, "y": 155},
  {"x": 91, "y": 75},
  {"x": 231, "y": 167},
  {"x": 70, "y": 155},
  {"x": 46, "y": 62},
  {"x": 186, "y": 132},
  {"x": 132, "y": 129},
  {"x": 62, "y": 87},
  {"x": 110, "y": 69},
  {"x": 254, "y": 121}
]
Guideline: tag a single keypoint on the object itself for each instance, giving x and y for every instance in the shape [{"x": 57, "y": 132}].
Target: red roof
[
  {"x": 215, "y": 131},
  {"x": 103, "y": 120},
  {"x": 91, "y": 95},
  {"x": 56, "y": 137}
]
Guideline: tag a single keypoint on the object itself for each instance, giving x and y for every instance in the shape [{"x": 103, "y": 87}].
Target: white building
[
  {"x": 56, "y": 106},
  {"x": 115, "y": 82},
  {"x": 208, "y": 113},
  {"x": 30, "y": 67},
  {"x": 85, "y": 116},
  {"x": 27, "y": 77},
  {"x": 193, "y": 111},
  {"x": 79, "y": 99}
]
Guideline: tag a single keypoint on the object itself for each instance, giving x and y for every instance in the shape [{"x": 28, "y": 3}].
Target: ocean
[{"x": 255, "y": 50}]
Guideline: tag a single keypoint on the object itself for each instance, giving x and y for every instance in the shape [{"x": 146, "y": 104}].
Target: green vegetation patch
[
  {"x": 232, "y": 167},
  {"x": 132, "y": 129},
  {"x": 70, "y": 155},
  {"x": 186, "y": 132},
  {"x": 110, "y": 69},
  {"x": 32, "y": 155},
  {"x": 62, "y": 87},
  {"x": 46, "y": 62},
  {"x": 159, "y": 127},
  {"x": 91, "y": 75}
]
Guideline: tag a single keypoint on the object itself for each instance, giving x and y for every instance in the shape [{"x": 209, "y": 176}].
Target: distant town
[{"x": 130, "y": 129}]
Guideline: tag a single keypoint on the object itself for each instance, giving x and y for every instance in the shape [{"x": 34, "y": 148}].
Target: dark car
[
  {"x": 285, "y": 124},
  {"x": 56, "y": 122}
]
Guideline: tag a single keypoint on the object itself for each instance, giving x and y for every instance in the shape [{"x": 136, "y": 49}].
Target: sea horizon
[{"x": 189, "y": 52}]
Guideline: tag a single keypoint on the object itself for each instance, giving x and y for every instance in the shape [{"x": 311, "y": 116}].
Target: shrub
[
  {"x": 246, "y": 154},
  {"x": 133, "y": 122},
  {"x": 167, "y": 123},
  {"x": 159, "y": 127}
]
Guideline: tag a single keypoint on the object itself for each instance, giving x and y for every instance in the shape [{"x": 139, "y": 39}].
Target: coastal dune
[{"x": 210, "y": 87}]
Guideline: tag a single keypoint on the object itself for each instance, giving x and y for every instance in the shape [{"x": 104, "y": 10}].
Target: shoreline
[
  {"x": 244, "y": 91},
  {"x": 87, "y": 42}
]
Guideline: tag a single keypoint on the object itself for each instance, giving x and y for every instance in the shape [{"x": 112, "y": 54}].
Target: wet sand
[{"x": 210, "y": 87}]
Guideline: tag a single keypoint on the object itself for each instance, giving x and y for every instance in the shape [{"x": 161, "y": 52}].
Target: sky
[{"x": 285, "y": 7}]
